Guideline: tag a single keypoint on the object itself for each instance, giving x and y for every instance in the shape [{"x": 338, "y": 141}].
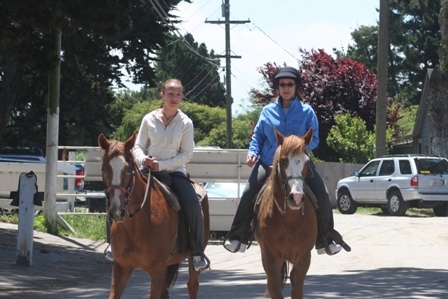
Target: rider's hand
[
  {"x": 250, "y": 160},
  {"x": 151, "y": 162}
]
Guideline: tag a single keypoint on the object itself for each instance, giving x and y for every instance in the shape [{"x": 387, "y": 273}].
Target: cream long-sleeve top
[{"x": 172, "y": 145}]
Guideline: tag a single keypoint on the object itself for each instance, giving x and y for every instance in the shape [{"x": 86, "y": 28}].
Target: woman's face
[
  {"x": 287, "y": 88},
  {"x": 172, "y": 95}
]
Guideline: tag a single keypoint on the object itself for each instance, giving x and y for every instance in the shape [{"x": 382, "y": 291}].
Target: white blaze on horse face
[
  {"x": 294, "y": 171},
  {"x": 117, "y": 164}
]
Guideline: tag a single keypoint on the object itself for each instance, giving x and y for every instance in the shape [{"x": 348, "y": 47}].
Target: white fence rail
[{"x": 206, "y": 166}]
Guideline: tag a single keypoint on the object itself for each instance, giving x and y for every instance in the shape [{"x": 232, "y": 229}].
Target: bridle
[
  {"x": 126, "y": 191},
  {"x": 286, "y": 189}
]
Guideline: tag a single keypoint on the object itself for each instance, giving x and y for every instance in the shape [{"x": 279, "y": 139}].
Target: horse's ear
[
  {"x": 279, "y": 136},
  {"x": 103, "y": 142},
  {"x": 129, "y": 144},
  {"x": 308, "y": 136}
]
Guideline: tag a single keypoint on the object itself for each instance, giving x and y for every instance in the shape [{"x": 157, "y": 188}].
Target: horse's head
[
  {"x": 290, "y": 167},
  {"x": 117, "y": 167}
]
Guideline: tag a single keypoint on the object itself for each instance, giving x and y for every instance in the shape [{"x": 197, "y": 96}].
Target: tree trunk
[
  {"x": 9, "y": 87},
  {"x": 52, "y": 136}
]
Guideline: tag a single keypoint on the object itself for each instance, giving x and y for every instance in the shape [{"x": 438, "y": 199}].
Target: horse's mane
[{"x": 291, "y": 145}]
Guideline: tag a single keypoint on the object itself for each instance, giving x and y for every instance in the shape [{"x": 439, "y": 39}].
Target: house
[{"x": 421, "y": 136}]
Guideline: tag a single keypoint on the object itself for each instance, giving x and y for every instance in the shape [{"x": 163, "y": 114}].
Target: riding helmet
[{"x": 288, "y": 72}]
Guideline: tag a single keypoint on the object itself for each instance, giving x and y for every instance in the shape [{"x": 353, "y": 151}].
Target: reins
[{"x": 144, "y": 198}]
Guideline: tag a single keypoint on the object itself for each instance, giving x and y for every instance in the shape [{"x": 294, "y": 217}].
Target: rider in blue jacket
[{"x": 289, "y": 115}]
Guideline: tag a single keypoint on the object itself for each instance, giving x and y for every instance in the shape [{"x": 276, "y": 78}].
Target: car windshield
[
  {"x": 226, "y": 189},
  {"x": 432, "y": 166}
]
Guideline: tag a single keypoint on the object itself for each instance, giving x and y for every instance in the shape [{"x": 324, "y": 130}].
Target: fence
[{"x": 206, "y": 166}]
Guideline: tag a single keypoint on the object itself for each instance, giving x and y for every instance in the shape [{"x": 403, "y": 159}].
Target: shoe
[
  {"x": 334, "y": 248},
  {"x": 199, "y": 263},
  {"x": 235, "y": 246},
  {"x": 109, "y": 256}
]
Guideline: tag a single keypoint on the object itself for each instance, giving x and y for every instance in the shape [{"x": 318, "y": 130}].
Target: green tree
[
  {"x": 330, "y": 86},
  {"x": 99, "y": 38},
  {"x": 197, "y": 69},
  {"x": 209, "y": 123},
  {"x": 351, "y": 140},
  {"x": 414, "y": 35}
]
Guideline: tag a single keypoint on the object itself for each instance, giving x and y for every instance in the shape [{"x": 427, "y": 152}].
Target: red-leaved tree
[{"x": 330, "y": 85}]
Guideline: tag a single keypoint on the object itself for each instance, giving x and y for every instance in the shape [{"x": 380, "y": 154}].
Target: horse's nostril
[{"x": 123, "y": 213}]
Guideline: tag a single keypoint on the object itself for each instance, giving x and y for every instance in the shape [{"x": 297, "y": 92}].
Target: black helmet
[{"x": 288, "y": 72}]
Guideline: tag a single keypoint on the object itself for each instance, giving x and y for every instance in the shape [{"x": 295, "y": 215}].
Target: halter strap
[
  {"x": 127, "y": 191},
  {"x": 285, "y": 188}
]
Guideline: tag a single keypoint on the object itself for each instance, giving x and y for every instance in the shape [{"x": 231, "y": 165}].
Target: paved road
[{"x": 392, "y": 257}]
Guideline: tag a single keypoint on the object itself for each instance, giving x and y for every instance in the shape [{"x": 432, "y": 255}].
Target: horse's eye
[
  {"x": 129, "y": 170},
  {"x": 283, "y": 161}
]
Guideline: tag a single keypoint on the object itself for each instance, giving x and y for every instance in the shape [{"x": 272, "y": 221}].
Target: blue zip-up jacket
[{"x": 298, "y": 121}]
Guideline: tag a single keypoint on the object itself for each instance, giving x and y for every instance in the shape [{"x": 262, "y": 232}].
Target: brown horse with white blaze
[
  {"x": 144, "y": 230},
  {"x": 286, "y": 224}
]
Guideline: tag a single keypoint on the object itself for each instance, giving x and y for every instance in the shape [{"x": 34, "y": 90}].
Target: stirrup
[{"x": 337, "y": 239}]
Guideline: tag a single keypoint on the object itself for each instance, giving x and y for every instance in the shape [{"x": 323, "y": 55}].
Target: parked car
[
  {"x": 396, "y": 182},
  {"x": 223, "y": 199},
  {"x": 35, "y": 155},
  {"x": 22, "y": 155}
]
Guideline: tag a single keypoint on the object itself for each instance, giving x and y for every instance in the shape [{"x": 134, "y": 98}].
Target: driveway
[{"x": 392, "y": 257}]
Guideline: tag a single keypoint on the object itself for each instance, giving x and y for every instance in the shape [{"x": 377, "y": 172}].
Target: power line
[
  {"x": 166, "y": 19},
  {"x": 274, "y": 41}
]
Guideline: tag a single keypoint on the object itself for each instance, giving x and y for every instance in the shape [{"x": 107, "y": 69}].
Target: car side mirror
[{"x": 356, "y": 173}]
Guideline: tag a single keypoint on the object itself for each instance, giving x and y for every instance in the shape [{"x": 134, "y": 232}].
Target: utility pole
[
  {"x": 383, "y": 49},
  {"x": 226, "y": 14}
]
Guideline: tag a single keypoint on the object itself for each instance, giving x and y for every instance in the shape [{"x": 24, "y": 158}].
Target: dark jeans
[
  {"x": 191, "y": 206},
  {"x": 254, "y": 184}
]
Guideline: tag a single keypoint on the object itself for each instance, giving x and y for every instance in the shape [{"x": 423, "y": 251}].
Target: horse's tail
[
  {"x": 171, "y": 275},
  {"x": 283, "y": 274}
]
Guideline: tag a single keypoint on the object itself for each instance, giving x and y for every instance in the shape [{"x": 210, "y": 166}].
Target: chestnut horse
[
  {"x": 286, "y": 225},
  {"x": 144, "y": 230}
]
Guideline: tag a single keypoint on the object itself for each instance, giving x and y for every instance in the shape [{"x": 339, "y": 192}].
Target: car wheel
[
  {"x": 345, "y": 203},
  {"x": 396, "y": 205},
  {"x": 441, "y": 210}
]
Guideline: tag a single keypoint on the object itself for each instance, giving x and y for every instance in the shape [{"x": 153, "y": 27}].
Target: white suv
[{"x": 395, "y": 183}]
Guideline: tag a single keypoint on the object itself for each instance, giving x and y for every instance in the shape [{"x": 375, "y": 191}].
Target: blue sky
[{"x": 276, "y": 30}]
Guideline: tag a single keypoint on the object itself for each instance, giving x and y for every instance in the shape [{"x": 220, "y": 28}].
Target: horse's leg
[
  {"x": 120, "y": 277},
  {"x": 272, "y": 267},
  {"x": 298, "y": 274},
  {"x": 193, "y": 280},
  {"x": 158, "y": 281}
]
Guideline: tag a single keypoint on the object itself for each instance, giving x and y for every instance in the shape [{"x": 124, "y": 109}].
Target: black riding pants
[
  {"x": 245, "y": 208},
  {"x": 191, "y": 206}
]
